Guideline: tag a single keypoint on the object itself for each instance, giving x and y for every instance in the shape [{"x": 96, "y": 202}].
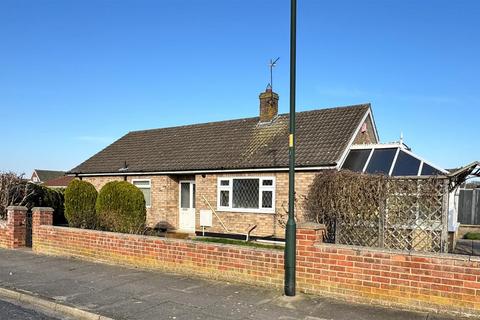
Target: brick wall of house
[
  {"x": 367, "y": 136},
  {"x": 164, "y": 197},
  {"x": 165, "y": 207},
  {"x": 99, "y": 182},
  {"x": 441, "y": 282},
  {"x": 239, "y": 222}
]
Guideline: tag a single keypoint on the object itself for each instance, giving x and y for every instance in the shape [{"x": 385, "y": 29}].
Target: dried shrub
[
  {"x": 12, "y": 191},
  {"x": 121, "y": 208},
  {"x": 15, "y": 190},
  {"x": 80, "y": 199},
  {"x": 405, "y": 213},
  {"x": 336, "y": 195},
  {"x": 281, "y": 215}
]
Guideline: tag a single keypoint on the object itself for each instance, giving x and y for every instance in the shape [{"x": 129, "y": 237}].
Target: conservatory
[
  {"x": 413, "y": 214},
  {"x": 419, "y": 210},
  {"x": 392, "y": 159}
]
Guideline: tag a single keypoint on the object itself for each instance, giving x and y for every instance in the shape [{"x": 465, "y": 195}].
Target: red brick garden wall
[{"x": 422, "y": 281}]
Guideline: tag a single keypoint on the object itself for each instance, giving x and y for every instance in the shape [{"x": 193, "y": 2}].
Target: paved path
[{"x": 124, "y": 293}]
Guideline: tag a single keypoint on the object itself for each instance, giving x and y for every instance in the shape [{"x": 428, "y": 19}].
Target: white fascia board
[
  {"x": 200, "y": 171},
  {"x": 374, "y": 125},
  {"x": 376, "y": 146}
]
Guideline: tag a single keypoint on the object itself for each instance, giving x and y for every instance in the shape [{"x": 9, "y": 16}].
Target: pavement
[{"x": 128, "y": 293}]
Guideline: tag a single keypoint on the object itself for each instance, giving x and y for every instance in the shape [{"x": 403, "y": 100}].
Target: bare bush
[
  {"x": 13, "y": 191},
  {"x": 334, "y": 193},
  {"x": 406, "y": 213},
  {"x": 281, "y": 215}
]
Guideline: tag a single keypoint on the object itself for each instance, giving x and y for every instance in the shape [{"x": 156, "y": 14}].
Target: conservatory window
[
  {"x": 428, "y": 170},
  {"x": 392, "y": 161},
  {"x": 356, "y": 160},
  {"x": 381, "y": 161},
  {"x": 246, "y": 194},
  {"x": 406, "y": 165}
]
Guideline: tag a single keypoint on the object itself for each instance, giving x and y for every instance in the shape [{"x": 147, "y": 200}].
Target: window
[
  {"x": 144, "y": 186},
  {"x": 381, "y": 161},
  {"x": 356, "y": 160},
  {"x": 428, "y": 170},
  {"x": 246, "y": 194},
  {"x": 406, "y": 165}
]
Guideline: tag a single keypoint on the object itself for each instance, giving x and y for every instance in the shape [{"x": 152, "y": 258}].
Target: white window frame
[
  {"x": 261, "y": 188},
  {"x": 144, "y": 187}
]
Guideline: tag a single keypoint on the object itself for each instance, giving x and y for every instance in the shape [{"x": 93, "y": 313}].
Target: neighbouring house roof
[
  {"x": 45, "y": 175},
  {"x": 60, "y": 182},
  {"x": 322, "y": 138}
]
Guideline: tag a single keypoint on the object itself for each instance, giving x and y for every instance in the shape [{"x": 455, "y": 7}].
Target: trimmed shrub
[
  {"x": 80, "y": 200},
  {"x": 121, "y": 208}
]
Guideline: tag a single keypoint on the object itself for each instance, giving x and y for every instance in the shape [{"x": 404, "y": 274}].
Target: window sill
[{"x": 258, "y": 211}]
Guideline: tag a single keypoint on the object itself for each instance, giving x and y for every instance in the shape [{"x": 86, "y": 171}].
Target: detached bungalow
[{"x": 238, "y": 169}]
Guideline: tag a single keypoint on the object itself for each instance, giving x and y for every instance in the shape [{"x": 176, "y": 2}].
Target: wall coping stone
[
  {"x": 311, "y": 226},
  {"x": 44, "y": 209},
  {"x": 17, "y": 208}
]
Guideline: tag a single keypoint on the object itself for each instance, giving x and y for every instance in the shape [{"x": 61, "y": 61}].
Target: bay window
[{"x": 246, "y": 194}]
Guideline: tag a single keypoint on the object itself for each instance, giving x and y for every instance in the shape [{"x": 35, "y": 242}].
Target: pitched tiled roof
[
  {"x": 321, "y": 135},
  {"x": 45, "y": 175},
  {"x": 58, "y": 182}
]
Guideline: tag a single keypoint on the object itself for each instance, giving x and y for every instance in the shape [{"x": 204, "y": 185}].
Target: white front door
[{"x": 187, "y": 206}]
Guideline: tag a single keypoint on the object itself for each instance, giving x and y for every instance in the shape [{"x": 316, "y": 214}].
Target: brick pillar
[
  {"x": 41, "y": 216},
  {"x": 16, "y": 226},
  {"x": 308, "y": 234}
]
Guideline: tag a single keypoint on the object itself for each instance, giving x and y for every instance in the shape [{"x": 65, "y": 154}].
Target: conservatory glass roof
[{"x": 393, "y": 159}]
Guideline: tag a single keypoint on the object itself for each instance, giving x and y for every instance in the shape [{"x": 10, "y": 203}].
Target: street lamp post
[{"x": 291, "y": 229}]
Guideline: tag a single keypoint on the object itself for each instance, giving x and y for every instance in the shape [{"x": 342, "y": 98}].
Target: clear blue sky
[{"x": 76, "y": 75}]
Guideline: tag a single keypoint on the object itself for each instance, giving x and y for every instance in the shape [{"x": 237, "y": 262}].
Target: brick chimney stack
[{"x": 268, "y": 105}]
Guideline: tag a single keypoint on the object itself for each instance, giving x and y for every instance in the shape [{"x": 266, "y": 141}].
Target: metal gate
[{"x": 469, "y": 206}]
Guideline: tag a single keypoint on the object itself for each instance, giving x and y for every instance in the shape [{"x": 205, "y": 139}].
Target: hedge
[
  {"x": 121, "y": 208},
  {"x": 80, "y": 200},
  {"x": 39, "y": 196}
]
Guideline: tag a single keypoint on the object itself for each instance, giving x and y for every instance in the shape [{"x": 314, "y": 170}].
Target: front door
[{"x": 187, "y": 206}]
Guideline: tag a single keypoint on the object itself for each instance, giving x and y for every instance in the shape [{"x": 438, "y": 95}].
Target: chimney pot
[{"x": 268, "y": 105}]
